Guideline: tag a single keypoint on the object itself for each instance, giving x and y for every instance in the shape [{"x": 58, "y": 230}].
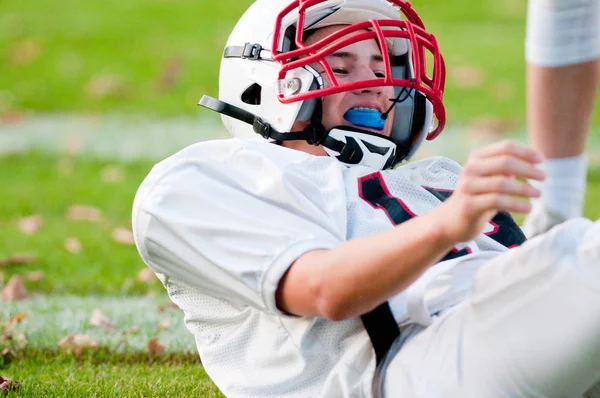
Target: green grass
[
  {"x": 122, "y": 48},
  {"x": 38, "y": 185},
  {"x": 101, "y": 374}
]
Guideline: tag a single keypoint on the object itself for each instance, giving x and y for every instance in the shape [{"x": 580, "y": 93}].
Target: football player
[
  {"x": 311, "y": 262},
  {"x": 563, "y": 68}
]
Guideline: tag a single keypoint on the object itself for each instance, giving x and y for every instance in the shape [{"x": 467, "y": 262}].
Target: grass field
[{"x": 159, "y": 57}]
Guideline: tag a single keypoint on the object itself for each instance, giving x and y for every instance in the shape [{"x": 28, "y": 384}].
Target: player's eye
[
  {"x": 339, "y": 71},
  {"x": 379, "y": 74}
]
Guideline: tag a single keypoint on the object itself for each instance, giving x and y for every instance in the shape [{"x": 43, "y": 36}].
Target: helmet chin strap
[{"x": 351, "y": 146}]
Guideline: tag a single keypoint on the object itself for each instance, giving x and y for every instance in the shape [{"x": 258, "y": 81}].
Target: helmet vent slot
[{"x": 252, "y": 94}]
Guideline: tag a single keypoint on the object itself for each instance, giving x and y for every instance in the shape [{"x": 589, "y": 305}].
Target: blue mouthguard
[{"x": 363, "y": 117}]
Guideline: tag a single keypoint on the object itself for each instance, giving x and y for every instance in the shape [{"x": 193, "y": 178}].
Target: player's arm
[{"x": 358, "y": 275}]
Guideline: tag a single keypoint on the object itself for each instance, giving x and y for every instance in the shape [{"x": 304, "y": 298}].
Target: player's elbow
[
  {"x": 335, "y": 311},
  {"x": 335, "y": 305}
]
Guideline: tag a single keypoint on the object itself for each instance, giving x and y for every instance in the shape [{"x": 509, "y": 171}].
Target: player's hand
[{"x": 494, "y": 179}]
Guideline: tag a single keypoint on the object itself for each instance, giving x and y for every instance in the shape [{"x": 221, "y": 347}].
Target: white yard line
[
  {"x": 137, "y": 137},
  {"x": 50, "y": 318}
]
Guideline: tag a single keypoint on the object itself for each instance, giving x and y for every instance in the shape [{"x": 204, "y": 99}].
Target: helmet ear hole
[{"x": 252, "y": 94}]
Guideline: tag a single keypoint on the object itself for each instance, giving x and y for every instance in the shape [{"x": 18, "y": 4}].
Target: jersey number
[{"x": 373, "y": 190}]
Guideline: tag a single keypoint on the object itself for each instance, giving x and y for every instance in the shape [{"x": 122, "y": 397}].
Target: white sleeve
[{"x": 231, "y": 225}]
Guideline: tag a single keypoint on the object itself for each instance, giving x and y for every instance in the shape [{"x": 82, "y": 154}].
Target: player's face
[{"x": 357, "y": 62}]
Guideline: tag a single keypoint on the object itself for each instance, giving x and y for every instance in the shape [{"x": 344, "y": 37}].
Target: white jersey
[{"x": 220, "y": 223}]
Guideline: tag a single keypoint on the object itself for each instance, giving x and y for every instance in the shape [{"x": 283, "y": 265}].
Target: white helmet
[{"x": 266, "y": 81}]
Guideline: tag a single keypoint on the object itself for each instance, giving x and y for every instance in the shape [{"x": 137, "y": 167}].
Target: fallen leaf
[
  {"x": 30, "y": 225},
  {"x": 164, "y": 324},
  {"x": 70, "y": 343},
  {"x": 11, "y": 117},
  {"x": 132, "y": 330},
  {"x": 24, "y": 52},
  {"x": 21, "y": 339},
  {"x": 154, "y": 347},
  {"x": 146, "y": 275},
  {"x": 467, "y": 77},
  {"x": 72, "y": 245},
  {"x": 123, "y": 236},
  {"x": 15, "y": 320},
  {"x": 8, "y": 355},
  {"x": 83, "y": 213},
  {"x": 105, "y": 85},
  {"x": 171, "y": 71},
  {"x": 35, "y": 276},
  {"x": 7, "y": 384},
  {"x": 111, "y": 173},
  {"x": 503, "y": 91},
  {"x": 490, "y": 128},
  {"x": 98, "y": 319},
  {"x": 18, "y": 259},
  {"x": 14, "y": 290},
  {"x": 164, "y": 307},
  {"x": 72, "y": 144}
]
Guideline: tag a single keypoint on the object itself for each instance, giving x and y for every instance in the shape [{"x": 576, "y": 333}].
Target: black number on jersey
[{"x": 373, "y": 190}]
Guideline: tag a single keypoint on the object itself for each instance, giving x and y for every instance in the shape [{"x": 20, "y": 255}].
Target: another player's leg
[
  {"x": 563, "y": 46},
  {"x": 529, "y": 328}
]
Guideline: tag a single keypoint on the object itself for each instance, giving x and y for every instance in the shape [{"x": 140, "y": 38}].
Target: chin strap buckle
[
  {"x": 252, "y": 51},
  {"x": 315, "y": 134}
]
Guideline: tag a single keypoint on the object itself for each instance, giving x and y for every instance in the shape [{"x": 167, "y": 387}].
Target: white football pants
[{"x": 529, "y": 328}]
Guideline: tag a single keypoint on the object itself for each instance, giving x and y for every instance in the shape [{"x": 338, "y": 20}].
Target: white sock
[{"x": 563, "y": 191}]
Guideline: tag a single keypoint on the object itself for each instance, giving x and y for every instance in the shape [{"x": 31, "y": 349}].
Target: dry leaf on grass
[
  {"x": 18, "y": 259},
  {"x": 123, "y": 236},
  {"x": 72, "y": 144},
  {"x": 132, "y": 330},
  {"x": 21, "y": 339},
  {"x": 14, "y": 290},
  {"x": 8, "y": 355},
  {"x": 11, "y": 117},
  {"x": 24, "y": 52},
  {"x": 77, "y": 344},
  {"x": 466, "y": 76},
  {"x": 111, "y": 173},
  {"x": 99, "y": 320},
  {"x": 72, "y": 245},
  {"x": 146, "y": 275},
  {"x": 105, "y": 85},
  {"x": 35, "y": 276},
  {"x": 14, "y": 320},
  {"x": 30, "y": 225},
  {"x": 7, "y": 384},
  {"x": 83, "y": 213},
  {"x": 164, "y": 307},
  {"x": 170, "y": 74},
  {"x": 164, "y": 324},
  {"x": 490, "y": 128},
  {"x": 154, "y": 347}
]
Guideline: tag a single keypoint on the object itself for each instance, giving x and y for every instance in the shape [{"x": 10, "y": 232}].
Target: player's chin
[{"x": 384, "y": 131}]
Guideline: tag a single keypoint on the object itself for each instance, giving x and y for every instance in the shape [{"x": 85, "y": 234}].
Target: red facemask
[{"x": 411, "y": 29}]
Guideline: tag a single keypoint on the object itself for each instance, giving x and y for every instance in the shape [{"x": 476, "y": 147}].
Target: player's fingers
[
  {"x": 500, "y": 185},
  {"x": 492, "y": 201},
  {"x": 509, "y": 147},
  {"x": 506, "y": 165}
]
